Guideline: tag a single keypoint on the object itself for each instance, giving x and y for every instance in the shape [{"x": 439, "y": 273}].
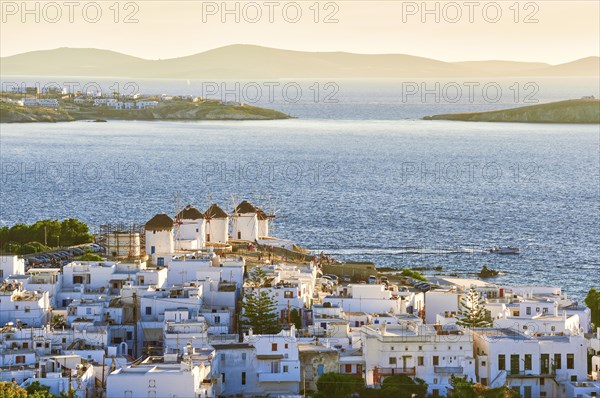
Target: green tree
[
  {"x": 259, "y": 313},
  {"x": 74, "y": 232},
  {"x": 413, "y": 274},
  {"x": 592, "y": 300},
  {"x": 338, "y": 385},
  {"x": 461, "y": 388},
  {"x": 91, "y": 257},
  {"x": 296, "y": 318},
  {"x": 471, "y": 310},
  {"x": 33, "y": 247},
  {"x": 11, "y": 390},
  {"x": 36, "y": 390}
]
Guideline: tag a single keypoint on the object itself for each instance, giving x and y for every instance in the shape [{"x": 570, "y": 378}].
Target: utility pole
[{"x": 135, "y": 326}]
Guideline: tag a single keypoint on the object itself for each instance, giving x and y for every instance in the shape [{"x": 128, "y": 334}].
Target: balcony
[
  {"x": 448, "y": 370},
  {"x": 395, "y": 371},
  {"x": 293, "y": 376}
]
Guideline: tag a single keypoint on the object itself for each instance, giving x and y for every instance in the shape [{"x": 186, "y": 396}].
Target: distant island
[
  {"x": 241, "y": 61},
  {"x": 58, "y": 108},
  {"x": 578, "y": 111}
]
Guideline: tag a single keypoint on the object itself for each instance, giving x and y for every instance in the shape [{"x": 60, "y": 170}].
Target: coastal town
[
  {"x": 56, "y": 103},
  {"x": 209, "y": 304}
]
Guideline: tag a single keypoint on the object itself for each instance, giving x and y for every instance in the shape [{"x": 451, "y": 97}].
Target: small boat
[
  {"x": 505, "y": 250},
  {"x": 100, "y": 121}
]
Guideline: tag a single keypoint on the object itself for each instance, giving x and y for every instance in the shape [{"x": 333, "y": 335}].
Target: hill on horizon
[{"x": 242, "y": 61}]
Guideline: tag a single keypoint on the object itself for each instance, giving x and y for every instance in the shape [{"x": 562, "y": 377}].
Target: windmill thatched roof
[
  {"x": 214, "y": 211},
  {"x": 190, "y": 213},
  {"x": 159, "y": 222},
  {"x": 245, "y": 207}
]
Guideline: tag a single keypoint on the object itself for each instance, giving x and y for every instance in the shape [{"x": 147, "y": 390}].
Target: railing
[
  {"x": 395, "y": 371},
  {"x": 448, "y": 369}
]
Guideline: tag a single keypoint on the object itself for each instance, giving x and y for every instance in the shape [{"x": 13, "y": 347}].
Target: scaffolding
[{"x": 122, "y": 240}]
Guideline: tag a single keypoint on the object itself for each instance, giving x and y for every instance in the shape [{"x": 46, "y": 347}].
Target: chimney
[
  {"x": 598, "y": 333},
  {"x": 564, "y": 315},
  {"x": 555, "y": 309},
  {"x": 250, "y": 334}
]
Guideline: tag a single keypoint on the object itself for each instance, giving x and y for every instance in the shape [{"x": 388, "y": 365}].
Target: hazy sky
[{"x": 548, "y": 31}]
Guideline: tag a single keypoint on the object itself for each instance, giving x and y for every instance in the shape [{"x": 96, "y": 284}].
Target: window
[
  {"x": 542, "y": 381},
  {"x": 222, "y": 357},
  {"x": 88, "y": 311},
  {"x": 25, "y": 345},
  {"x": 542, "y": 394},
  {"x": 243, "y": 378},
  {"x": 392, "y": 360},
  {"x": 275, "y": 367},
  {"x": 545, "y": 363},
  {"x": 153, "y": 248},
  {"x": 129, "y": 336},
  {"x": 501, "y": 362},
  {"x": 288, "y": 294},
  {"x": 483, "y": 363},
  {"x": 574, "y": 378},
  {"x": 160, "y": 261},
  {"x": 223, "y": 377},
  {"x": 273, "y": 346},
  {"x": 20, "y": 359},
  {"x": 348, "y": 368},
  {"x": 436, "y": 360},
  {"x": 217, "y": 319},
  {"x": 553, "y": 328},
  {"x": 527, "y": 361},
  {"x": 420, "y": 361},
  {"x": 528, "y": 310},
  {"x": 148, "y": 310},
  {"x": 27, "y": 309},
  {"x": 420, "y": 348},
  {"x": 285, "y": 368},
  {"x": 320, "y": 369},
  {"x": 570, "y": 361},
  {"x": 285, "y": 346},
  {"x": 243, "y": 356},
  {"x": 239, "y": 235},
  {"x": 526, "y": 391},
  {"x": 514, "y": 364},
  {"x": 557, "y": 361}
]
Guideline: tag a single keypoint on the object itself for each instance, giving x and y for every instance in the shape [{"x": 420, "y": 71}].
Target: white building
[
  {"x": 368, "y": 298},
  {"x": 11, "y": 265},
  {"x": 146, "y": 104},
  {"x": 190, "y": 229},
  {"x": 535, "y": 365},
  {"x": 234, "y": 369},
  {"x": 217, "y": 225},
  {"x": 159, "y": 235},
  {"x": 167, "y": 376},
  {"x": 417, "y": 350},
  {"x": 277, "y": 362},
  {"x": 20, "y": 306},
  {"x": 244, "y": 223}
]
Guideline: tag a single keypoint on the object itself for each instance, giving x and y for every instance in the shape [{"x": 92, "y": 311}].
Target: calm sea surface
[{"x": 363, "y": 179}]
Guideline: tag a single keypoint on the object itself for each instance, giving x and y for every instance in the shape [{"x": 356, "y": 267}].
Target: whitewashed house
[
  {"x": 277, "y": 362},
  {"x": 535, "y": 365},
  {"x": 20, "y": 306},
  {"x": 433, "y": 355},
  {"x": 11, "y": 265}
]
